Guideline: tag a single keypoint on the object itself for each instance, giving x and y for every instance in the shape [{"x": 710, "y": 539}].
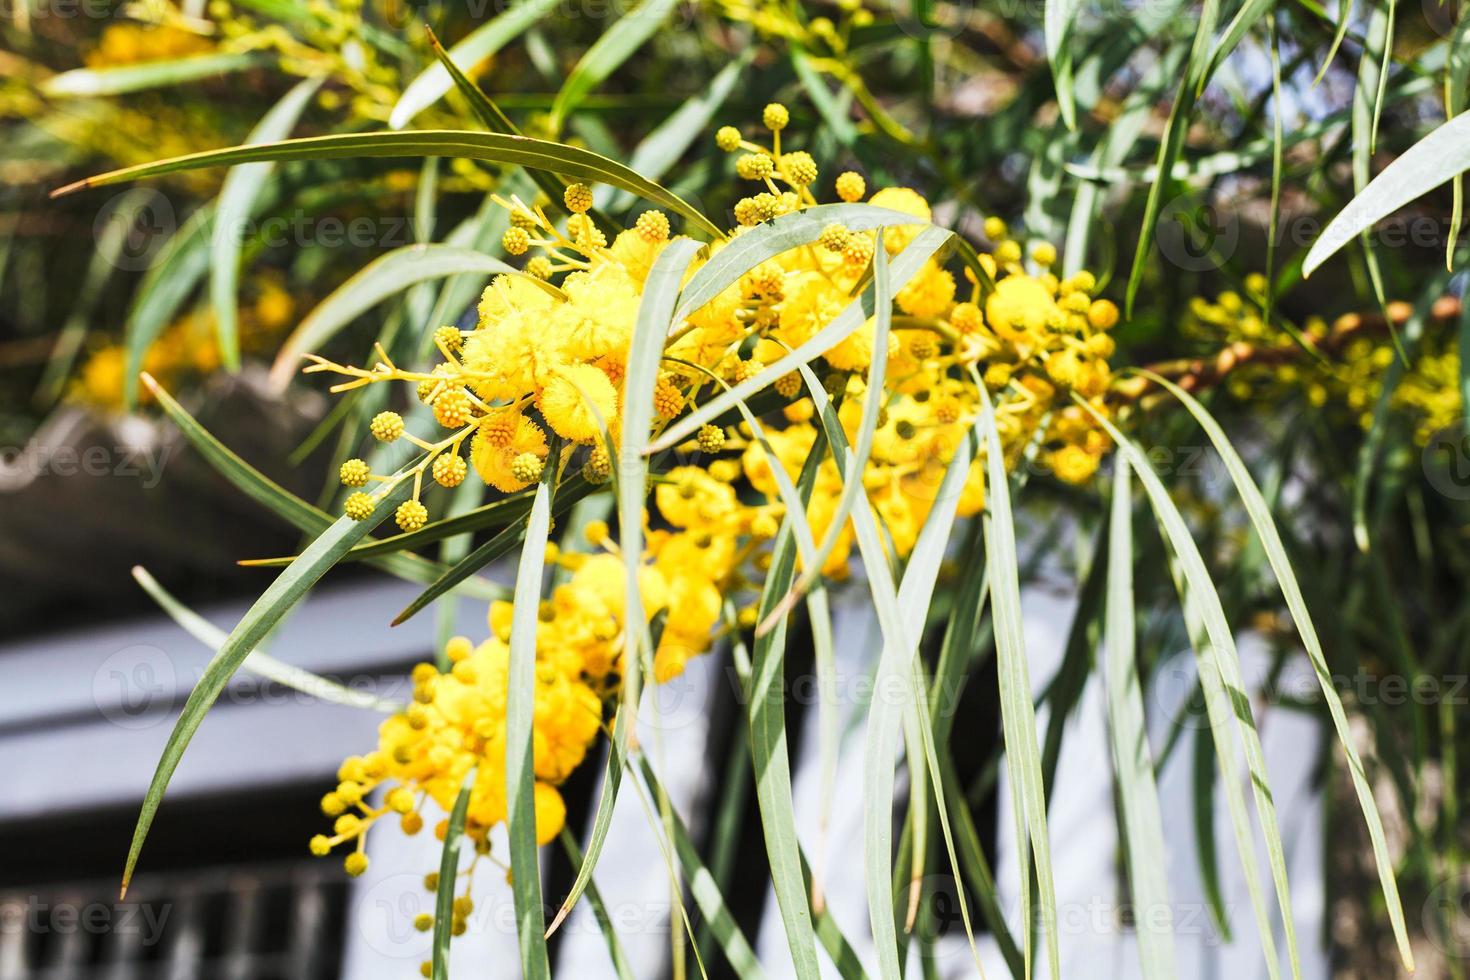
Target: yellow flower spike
[
  {"x": 527, "y": 467},
  {"x": 754, "y": 166},
  {"x": 356, "y": 863},
  {"x": 399, "y": 799},
  {"x": 1008, "y": 252},
  {"x": 386, "y": 426},
  {"x": 578, "y": 198},
  {"x": 711, "y": 438},
  {"x": 411, "y": 515},
  {"x": 995, "y": 229},
  {"x": 453, "y": 408},
  {"x": 320, "y": 845},
  {"x": 448, "y": 338},
  {"x": 596, "y": 532},
  {"x": 668, "y": 401},
  {"x": 775, "y": 117},
  {"x": 423, "y": 922},
  {"x": 727, "y": 138},
  {"x": 799, "y": 168},
  {"x": 1103, "y": 314},
  {"x": 360, "y": 506},
  {"x": 449, "y": 470},
  {"x": 850, "y": 186},
  {"x": 411, "y": 823},
  {"x": 1044, "y": 254},
  {"x": 576, "y": 399},
  {"x": 653, "y": 226},
  {"x": 354, "y": 473},
  {"x": 540, "y": 267},
  {"x": 745, "y": 213},
  {"x": 598, "y": 468},
  {"x": 515, "y": 241},
  {"x": 347, "y": 825},
  {"x": 834, "y": 237}
]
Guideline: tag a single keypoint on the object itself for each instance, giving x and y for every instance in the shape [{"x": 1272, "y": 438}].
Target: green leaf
[
  {"x": 1138, "y": 797},
  {"x": 619, "y": 958},
  {"x": 857, "y": 460},
  {"x": 901, "y": 615},
  {"x": 766, "y": 701},
  {"x": 291, "y": 508},
  {"x": 613, "y": 46},
  {"x": 169, "y": 281},
  {"x": 1017, "y": 712},
  {"x": 655, "y": 311},
  {"x": 523, "y": 151},
  {"x": 236, "y": 199},
  {"x": 772, "y": 238},
  {"x": 448, "y": 872},
  {"x": 385, "y": 276},
  {"x": 706, "y": 893},
  {"x": 520, "y": 710},
  {"x": 662, "y": 148},
  {"x": 496, "y": 121},
  {"x": 258, "y": 662},
  {"x": 1226, "y": 702},
  {"x": 289, "y": 588},
  {"x": 905, "y": 266},
  {"x": 122, "y": 79},
  {"x": 432, "y": 84},
  {"x": 1057, "y": 21},
  {"x": 1196, "y": 74},
  {"x": 1260, "y": 516},
  {"x": 1427, "y": 164}
]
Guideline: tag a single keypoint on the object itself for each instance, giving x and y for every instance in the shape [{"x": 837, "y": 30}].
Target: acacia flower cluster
[{"x": 539, "y": 383}]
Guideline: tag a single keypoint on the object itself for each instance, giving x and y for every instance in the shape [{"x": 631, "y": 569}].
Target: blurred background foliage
[{"x": 1345, "y": 391}]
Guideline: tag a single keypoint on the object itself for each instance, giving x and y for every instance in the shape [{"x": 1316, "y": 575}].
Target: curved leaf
[
  {"x": 613, "y": 46},
  {"x": 236, "y": 199},
  {"x": 1435, "y": 159},
  {"x": 385, "y": 276},
  {"x": 523, "y": 151},
  {"x": 434, "y": 82},
  {"x": 121, "y": 79}
]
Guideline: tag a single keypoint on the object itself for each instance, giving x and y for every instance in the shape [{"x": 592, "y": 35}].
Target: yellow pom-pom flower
[
  {"x": 354, "y": 473},
  {"x": 386, "y": 426}
]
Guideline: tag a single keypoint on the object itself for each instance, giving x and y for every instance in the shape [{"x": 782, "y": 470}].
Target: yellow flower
[
  {"x": 579, "y": 402},
  {"x": 493, "y": 462}
]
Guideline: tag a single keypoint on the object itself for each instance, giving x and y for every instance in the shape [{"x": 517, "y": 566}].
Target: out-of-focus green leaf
[
  {"x": 122, "y": 79},
  {"x": 236, "y": 199},
  {"x": 613, "y": 46},
  {"x": 432, "y": 84},
  {"x": 493, "y": 147}
]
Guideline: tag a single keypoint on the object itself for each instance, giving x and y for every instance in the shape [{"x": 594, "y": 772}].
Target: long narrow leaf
[
  {"x": 1138, "y": 797},
  {"x": 236, "y": 199},
  {"x": 492, "y": 147}
]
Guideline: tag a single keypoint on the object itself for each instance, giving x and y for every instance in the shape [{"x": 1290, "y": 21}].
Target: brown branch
[{"x": 1195, "y": 374}]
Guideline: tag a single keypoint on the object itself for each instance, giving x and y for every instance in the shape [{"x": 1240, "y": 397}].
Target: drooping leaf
[
  {"x": 492, "y": 147},
  {"x": 434, "y": 82},
  {"x": 236, "y": 199}
]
